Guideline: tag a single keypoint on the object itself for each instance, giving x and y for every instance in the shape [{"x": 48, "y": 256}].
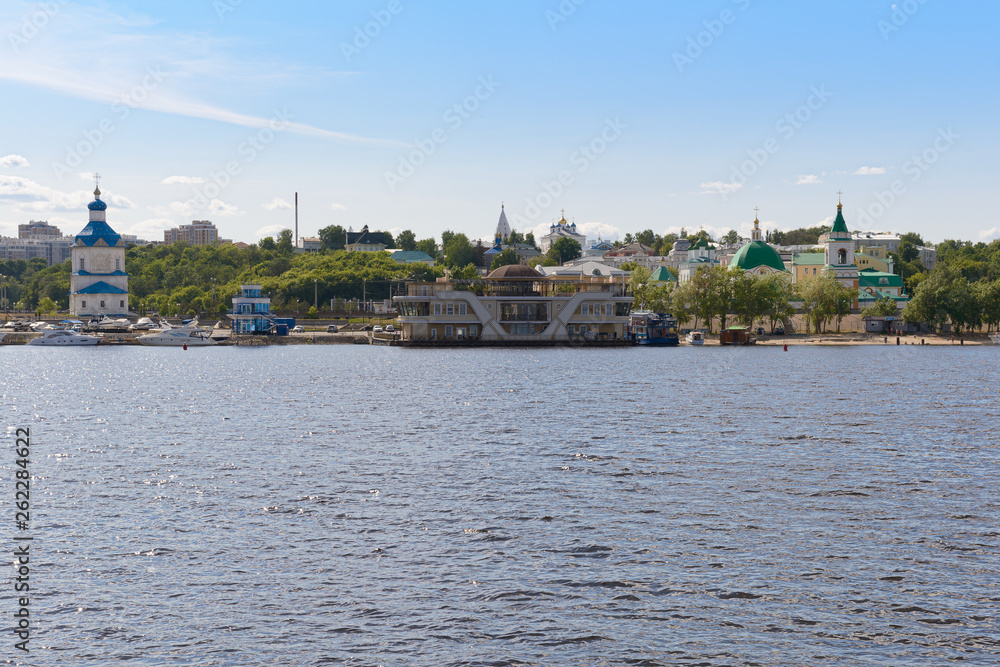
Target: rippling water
[{"x": 359, "y": 505}]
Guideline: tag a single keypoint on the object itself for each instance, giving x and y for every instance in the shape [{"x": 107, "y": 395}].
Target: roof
[
  {"x": 663, "y": 275},
  {"x": 632, "y": 249},
  {"x": 809, "y": 259},
  {"x": 584, "y": 268},
  {"x": 872, "y": 278},
  {"x": 503, "y": 228},
  {"x": 514, "y": 271},
  {"x": 365, "y": 237},
  {"x": 756, "y": 254},
  {"x": 101, "y": 287},
  {"x": 411, "y": 256},
  {"x": 839, "y": 228}
]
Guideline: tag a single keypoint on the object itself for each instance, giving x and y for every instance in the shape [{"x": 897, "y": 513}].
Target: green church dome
[{"x": 755, "y": 254}]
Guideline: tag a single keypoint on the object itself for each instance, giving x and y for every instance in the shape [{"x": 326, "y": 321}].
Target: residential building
[
  {"x": 98, "y": 282},
  {"x": 199, "y": 232},
  {"x": 366, "y": 241},
  {"x": 598, "y": 248},
  {"x": 309, "y": 244},
  {"x": 880, "y": 283},
  {"x": 516, "y": 304},
  {"x": 38, "y": 229}
]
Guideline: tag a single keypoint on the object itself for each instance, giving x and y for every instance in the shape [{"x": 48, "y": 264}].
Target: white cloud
[
  {"x": 277, "y": 203},
  {"x": 152, "y": 229},
  {"x": 27, "y": 195},
  {"x": 808, "y": 179},
  {"x": 182, "y": 180},
  {"x": 594, "y": 229},
  {"x": 70, "y": 56},
  {"x": 13, "y": 161},
  {"x": 219, "y": 207},
  {"x": 270, "y": 230},
  {"x": 719, "y": 188},
  {"x": 338, "y": 207},
  {"x": 870, "y": 171},
  {"x": 990, "y": 234}
]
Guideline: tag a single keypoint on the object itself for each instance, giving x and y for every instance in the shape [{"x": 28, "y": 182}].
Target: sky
[{"x": 429, "y": 116}]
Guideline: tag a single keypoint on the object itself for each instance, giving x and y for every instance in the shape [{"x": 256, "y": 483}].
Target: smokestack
[{"x": 296, "y": 219}]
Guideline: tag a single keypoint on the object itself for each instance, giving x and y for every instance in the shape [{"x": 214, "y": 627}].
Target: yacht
[
  {"x": 64, "y": 338},
  {"x": 190, "y": 334},
  {"x": 110, "y": 323},
  {"x": 995, "y": 337},
  {"x": 695, "y": 338},
  {"x": 144, "y": 324}
]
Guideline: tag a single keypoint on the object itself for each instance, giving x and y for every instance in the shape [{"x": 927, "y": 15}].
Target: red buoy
[
  {"x": 786, "y": 347},
  {"x": 185, "y": 346}
]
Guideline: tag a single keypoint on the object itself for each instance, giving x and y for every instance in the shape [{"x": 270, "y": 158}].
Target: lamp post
[{"x": 316, "y": 293}]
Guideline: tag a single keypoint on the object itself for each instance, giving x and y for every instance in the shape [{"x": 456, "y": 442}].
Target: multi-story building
[
  {"x": 37, "y": 239},
  {"x": 251, "y": 311},
  {"x": 199, "y": 232},
  {"x": 516, "y": 305}
]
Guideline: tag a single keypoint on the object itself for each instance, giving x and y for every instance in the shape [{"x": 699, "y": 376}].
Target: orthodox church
[
  {"x": 838, "y": 254},
  {"x": 98, "y": 282},
  {"x": 757, "y": 256},
  {"x": 560, "y": 230}
]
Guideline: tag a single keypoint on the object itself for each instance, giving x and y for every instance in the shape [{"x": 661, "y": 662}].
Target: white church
[{"x": 98, "y": 282}]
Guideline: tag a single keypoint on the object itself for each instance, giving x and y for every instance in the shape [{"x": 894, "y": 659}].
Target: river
[{"x": 346, "y": 505}]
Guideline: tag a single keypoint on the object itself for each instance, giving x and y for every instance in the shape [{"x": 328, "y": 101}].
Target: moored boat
[
  {"x": 189, "y": 335},
  {"x": 995, "y": 338},
  {"x": 648, "y": 328},
  {"x": 695, "y": 338},
  {"x": 64, "y": 338}
]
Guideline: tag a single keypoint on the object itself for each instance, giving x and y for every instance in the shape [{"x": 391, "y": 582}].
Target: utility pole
[
  {"x": 296, "y": 219},
  {"x": 316, "y": 293}
]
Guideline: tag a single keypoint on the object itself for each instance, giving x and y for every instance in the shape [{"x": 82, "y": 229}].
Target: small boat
[
  {"x": 648, "y": 328},
  {"x": 736, "y": 336},
  {"x": 695, "y": 338},
  {"x": 144, "y": 324},
  {"x": 191, "y": 335},
  {"x": 995, "y": 338},
  {"x": 64, "y": 338},
  {"x": 106, "y": 323}
]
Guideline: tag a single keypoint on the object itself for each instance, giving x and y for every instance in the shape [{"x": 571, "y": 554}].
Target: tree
[
  {"x": 564, "y": 250},
  {"x": 700, "y": 235},
  {"x": 824, "y": 298},
  {"x": 730, "y": 237},
  {"x": 930, "y": 300},
  {"x": 467, "y": 272},
  {"x": 45, "y": 306},
  {"x": 332, "y": 238},
  {"x": 529, "y": 239},
  {"x": 285, "y": 245},
  {"x": 638, "y": 282},
  {"x": 267, "y": 243},
  {"x": 406, "y": 240},
  {"x": 429, "y": 246},
  {"x": 458, "y": 251},
  {"x": 508, "y": 256},
  {"x": 883, "y": 307}
]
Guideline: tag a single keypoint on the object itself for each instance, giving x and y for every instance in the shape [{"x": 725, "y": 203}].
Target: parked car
[
  {"x": 331, "y": 328},
  {"x": 377, "y": 329},
  {"x": 389, "y": 328},
  {"x": 298, "y": 328}
]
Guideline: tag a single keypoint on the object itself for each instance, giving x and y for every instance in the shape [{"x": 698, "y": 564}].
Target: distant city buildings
[
  {"x": 366, "y": 241},
  {"x": 37, "y": 238},
  {"x": 199, "y": 232}
]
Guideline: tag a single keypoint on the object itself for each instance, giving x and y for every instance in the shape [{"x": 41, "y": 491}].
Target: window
[
  {"x": 102, "y": 304},
  {"x": 447, "y": 331},
  {"x": 474, "y": 330},
  {"x": 842, "y": 256},
  {"x": 83, "y": 304},
  {"x": 434, "y": 334},
  {"x": 122, "y": 304},
  {"x": 118, "y": 264},
  {"x": 883, "y": 281},
  {"x": 462, "y": 309},
  {"x": 585, "y": 309},
  {"x": 571, "y": 329},
  {"x": 81, "y": 264},
  {"x": 437, "y": 308},
  {"x": 450, "y": 309}
]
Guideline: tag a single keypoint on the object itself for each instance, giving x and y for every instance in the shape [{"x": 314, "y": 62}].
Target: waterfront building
[
  {"x": 630, "y": 252},
  {"x": 98, "y": 282},
  {"x": 251, "y": 311},
  {"x": 881, "y": 283},
  {"x": 838, "y": 256},
  {"x": 562, "y": 229},
  {"x": 366, "y": 241},
  {"x": 516, "y": 304},
  {"x": 806, "y": 264},
  {"x": 199, "y": 232},
  {"x": 758, "y": 257},
  {"x": 581, "y": 269}
]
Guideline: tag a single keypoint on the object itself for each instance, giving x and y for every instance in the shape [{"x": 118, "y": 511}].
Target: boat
[
  {"x": 107, "y": 323},
  {"x": 144, "y": 324},
  {"x": 648, "y": 328},
  {"x": 995, "y": 337},
  {"x": 736, "y": 336},
  {"x": 695, "y": 338},
  {"x": 64, "y": 338},
  {"x": 190, "y": 334}
]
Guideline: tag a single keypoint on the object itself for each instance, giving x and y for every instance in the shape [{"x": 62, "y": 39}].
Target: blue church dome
[{"x": 97, "y": 205}]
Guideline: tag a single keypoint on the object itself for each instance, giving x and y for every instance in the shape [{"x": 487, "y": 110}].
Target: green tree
[
  {"x": 883, "y": 307},
  {"x": 45, "y": 307},
  {"x": 267, "y": 243},
  {"x": 564, "y": 250},
  {"x": 332, "y": 238},
  {"x": 506, "y": 257},
  {"x": 638, "y": 282},
  {"x": 730, "y": 238},
  {"x": 467, "y": 272},
  {"x": 529, "y": 239},
  {"x": 458, "y": 251},
  {"x": 285, "y": 244},
  {"x": 406, "y": 240},
  {"x": 700, "y": 235},
  {"x": 429, "y": 246}
]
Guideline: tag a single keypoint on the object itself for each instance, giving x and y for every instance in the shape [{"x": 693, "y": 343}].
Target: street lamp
[{"x": 316, "y": 293}]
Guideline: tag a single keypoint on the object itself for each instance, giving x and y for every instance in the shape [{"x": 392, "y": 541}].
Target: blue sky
[{"x": 416, "y": 115}]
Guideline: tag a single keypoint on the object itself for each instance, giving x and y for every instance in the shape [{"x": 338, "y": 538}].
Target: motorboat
[
  {"x": 190, "y": 334},
  {"x": 144, "y": 324},
  {"x": 695, "y": 338},
  {"x": 40, "y": 326},
  {"x": 111, "y": 323},
  {"x": 64, "y": 338},
  {"x": 995, "y": 338}
]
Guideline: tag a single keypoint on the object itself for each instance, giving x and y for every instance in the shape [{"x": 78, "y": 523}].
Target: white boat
[
  {"x": 695, "y": 338},
  {"x": 144, "y": 324},
  {"x": 109, "y": 323},
  {"x": 995, "y": 337},
  {"x": 178, "y": 336},
  {"x": 40, "y": 326},
  {"x": 64, "y": 338}
]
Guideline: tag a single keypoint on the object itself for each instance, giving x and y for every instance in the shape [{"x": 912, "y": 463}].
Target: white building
[
  {"x": 98, "y": 282},
  {"x": 562, "y": 229}
]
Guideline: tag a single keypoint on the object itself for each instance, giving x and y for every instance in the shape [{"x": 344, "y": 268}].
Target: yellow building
[{"x": 873, "y": 257}]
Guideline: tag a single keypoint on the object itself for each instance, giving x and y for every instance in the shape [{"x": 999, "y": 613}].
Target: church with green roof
[{"x": 757, "y": 256}]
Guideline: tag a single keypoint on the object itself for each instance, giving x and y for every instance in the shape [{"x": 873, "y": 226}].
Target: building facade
[
  {"x": 516, "y": 305},
  {"x": 251, "y": 311},
  {"x": 98, "y": 282},
  {"x": 562, "y": 229},
  {"x": 366, "y": 241},
  {"x": 838, "y": 254},
  {"x": 199, "y": 232}
]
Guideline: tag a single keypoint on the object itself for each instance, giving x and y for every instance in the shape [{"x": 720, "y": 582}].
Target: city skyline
[{"x": 403, "y": 116}]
